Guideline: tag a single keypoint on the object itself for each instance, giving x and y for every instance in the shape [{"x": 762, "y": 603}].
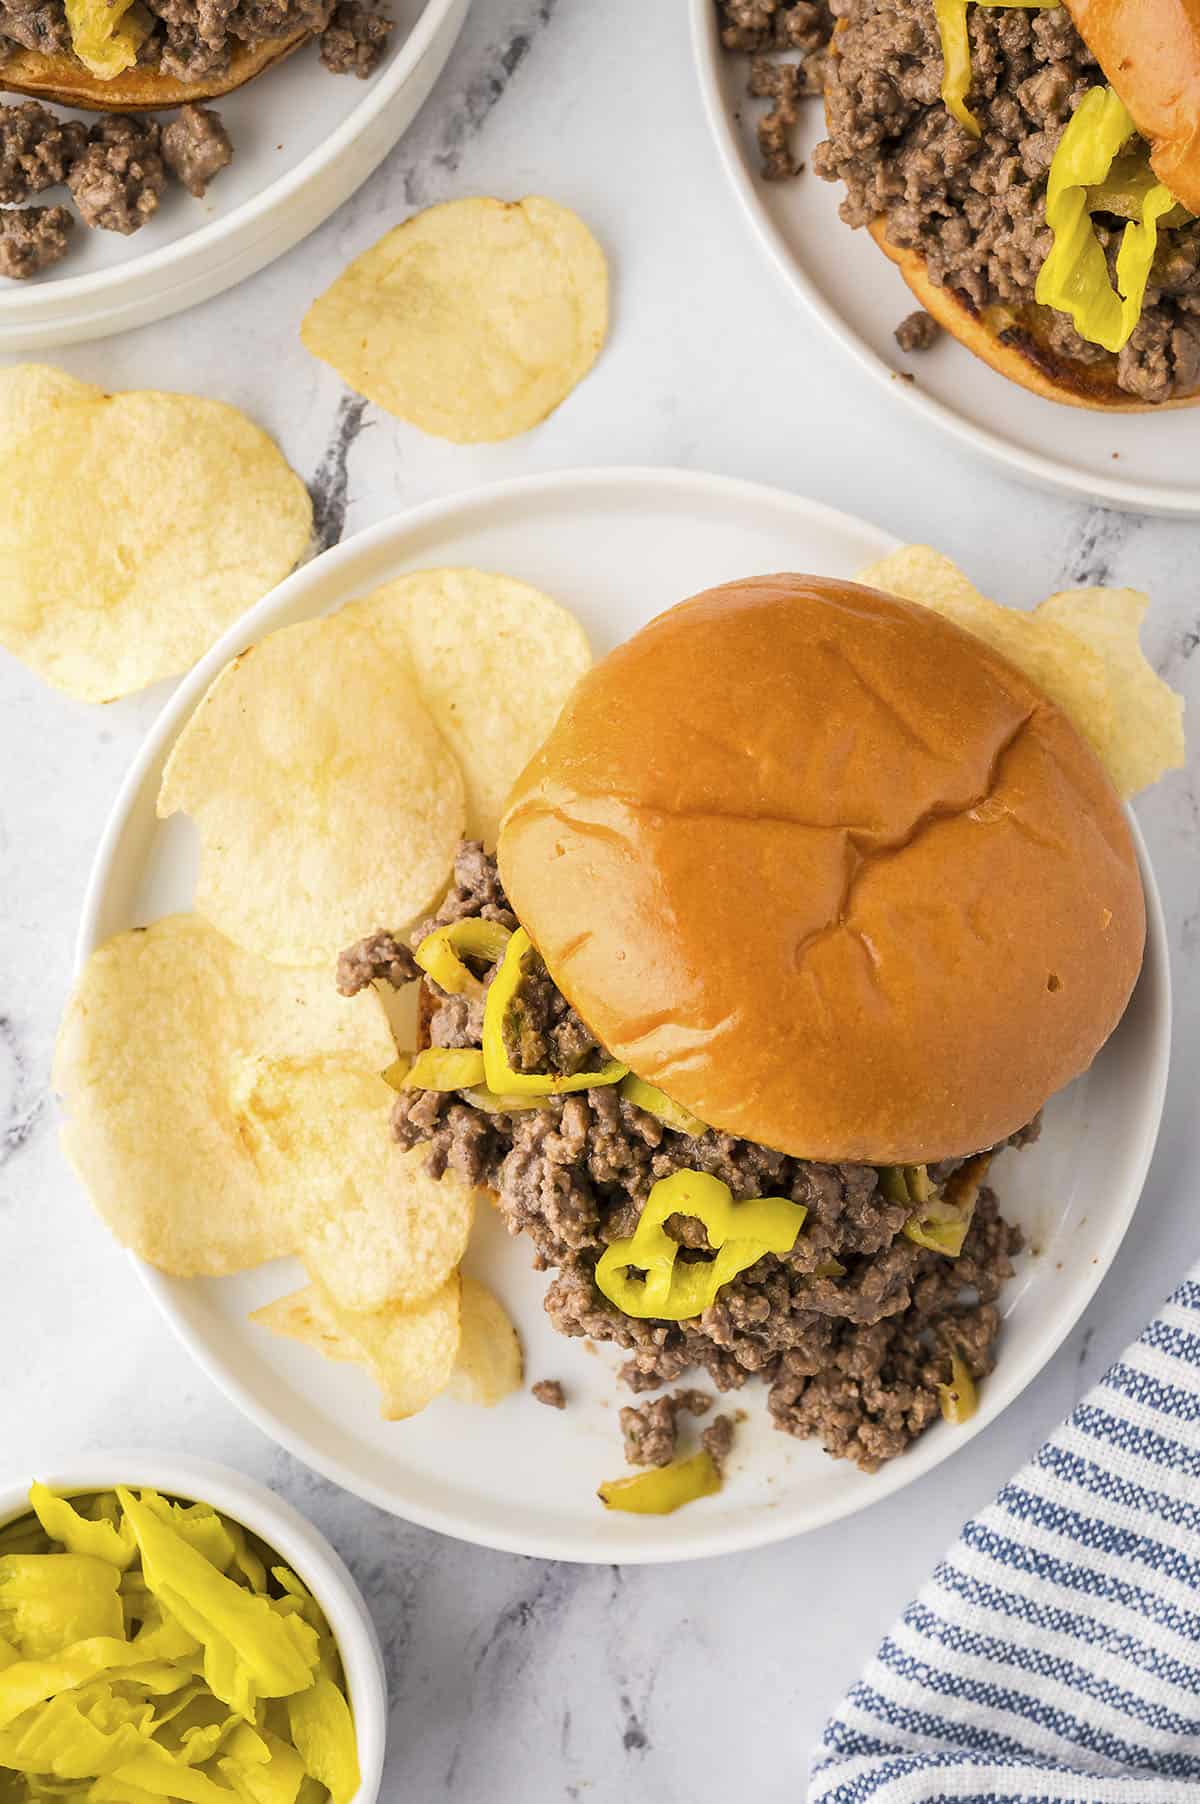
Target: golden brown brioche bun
[
  {"x": 1016, "y": 342},
  {"x": 829, "y": 872},
  {"x": 140, "y": 89},
  {"x": 1150, "y": 52}
]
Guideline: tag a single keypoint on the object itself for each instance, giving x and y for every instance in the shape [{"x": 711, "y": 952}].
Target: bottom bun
[
  {"x": 140, "y": 89},
  {"x": 1018, "y": 345}
]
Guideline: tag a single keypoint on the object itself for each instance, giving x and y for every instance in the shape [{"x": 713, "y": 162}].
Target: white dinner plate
[
  {"x": 616, "y": 546},
  {"x": 1149, "y": 462},
  {"x": 303, "y": 141}
]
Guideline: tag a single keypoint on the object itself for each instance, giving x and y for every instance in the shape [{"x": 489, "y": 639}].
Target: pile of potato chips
[
  {"x": 134, "y": 528},
  {"x": 224, "y": 1105}
]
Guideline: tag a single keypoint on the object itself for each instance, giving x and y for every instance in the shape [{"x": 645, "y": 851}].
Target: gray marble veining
[{"x": 516, "y": 1679}]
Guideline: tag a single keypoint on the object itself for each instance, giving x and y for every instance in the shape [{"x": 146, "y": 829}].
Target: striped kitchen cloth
[{"x": 1054, "y": 1656}]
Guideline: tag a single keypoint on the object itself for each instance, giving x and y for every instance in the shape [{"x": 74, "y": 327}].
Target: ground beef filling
[
  {"x": 193, "y": 39},
  {"x": 851, "y": 1330},
  {"x": 973, "y": 208}
]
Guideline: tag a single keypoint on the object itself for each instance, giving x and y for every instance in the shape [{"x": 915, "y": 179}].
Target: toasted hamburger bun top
[
  {"x": 63, "y": 78},
  {"x": 1150, "y": 53},
  {"x": 829, "y": 872},
  {"x": 1016, "y": 342}
]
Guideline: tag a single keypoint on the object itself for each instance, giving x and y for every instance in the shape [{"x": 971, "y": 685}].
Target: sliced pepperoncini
[
  {"x": 491, "y": 1104},
  {"x": 441, "y": 953},
  {"x": 106, "y": 35},
  {"x": 501, "y": 1079},
  {"x": 664, "y": 1489},
  {"x": 395, "y": 1074},
  {"x": 956, "y": 54},
  {"x": 657, "y": 1103},
  {"x": 1074, "y": 278},
  {"x": 445, "y": 1068},
  {"x": 959, "y": 1399},
  {"x": 740, "y": 1234}
]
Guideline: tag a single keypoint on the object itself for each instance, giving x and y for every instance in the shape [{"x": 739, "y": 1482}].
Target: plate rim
[
  {"x": 1047, "y": 472},
  {"x": 728, "y": 1537},
  {"x": 36, "y": 303}
]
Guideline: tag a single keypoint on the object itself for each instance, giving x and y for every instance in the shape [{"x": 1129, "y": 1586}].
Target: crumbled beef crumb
[
  {"x": 693, "y": 1403},
  {"x": 783, "y": 85},
  {"x": 917, "y": 331},
  {"x": 550, "y": 1392},
  {"x": 355, "y": 40},
  {"x": 42, "y": 28},
  {"x": 31, "y": 239},
  {"x": 849, "y": 1329},
  {"x": 119, "y": 179},
  {"x": 649, "y": 1432},
  {"x": 380, "y": 958},
  {"x": 36, "y": 150},
  {"x": 717, "y": 1440},
  {"x": 195, "y": 145}
]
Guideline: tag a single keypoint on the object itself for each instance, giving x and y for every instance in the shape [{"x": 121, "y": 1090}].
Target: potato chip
[
  {"x": 300, "y": 1316},
  {"x": 490, "y": 1364},
  {"x": 325, "y": 798},
  {"x": 33, "y": 393},
  {"x": 370, "y": 1223},
  {"x": 1148, "y": 731},
  {"x": 410, "y": 1353},
  {"x": 158, "y": 1028},
  {"x": 494, "y": 659},
  {"x": 473, "y": 320},
  {"x": 134, "y": 529},
  {"x": 1080, "y": 649}
]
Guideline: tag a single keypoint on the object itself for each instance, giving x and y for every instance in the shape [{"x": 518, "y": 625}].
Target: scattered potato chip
[
  {"x": 325, "y": 798},
  {"x": 134, "y": 529},
  {"x": 1148, "y": 728},
  {"x": 369, "y": 1221},
  {"x": 494, "y": 659},
  {"x": 33, "y": 393},
  {"x": 1081, "y": 649},
  {"x": 159, "y": 1025},
  {"x": 410, "y": 1353},
  {"x": 490, "y": 1363},
  {"x": 473, "y": 320}
]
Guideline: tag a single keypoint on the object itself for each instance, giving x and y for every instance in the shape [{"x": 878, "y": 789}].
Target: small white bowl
[{"x": 297, "y": 1542}]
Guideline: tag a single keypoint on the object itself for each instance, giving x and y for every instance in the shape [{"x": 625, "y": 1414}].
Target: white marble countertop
[{"x": 513, "y": 1679}]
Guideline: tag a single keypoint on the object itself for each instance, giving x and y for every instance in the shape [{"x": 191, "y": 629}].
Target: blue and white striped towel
[{"x": 1054, "y": 1656}]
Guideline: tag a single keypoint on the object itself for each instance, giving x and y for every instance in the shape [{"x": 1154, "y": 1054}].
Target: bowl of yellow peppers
[{"x": 170, "y": 1629}]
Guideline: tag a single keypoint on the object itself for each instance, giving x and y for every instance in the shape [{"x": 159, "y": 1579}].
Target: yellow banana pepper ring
[
  {"x": 656, "y": 1102},
  {"x": 665, "y": 1489},
  {"x": 1074, "y": 278},
  {"x": 959, "y": 1399},
  {"x": 445, "y": 1068},
  {"x": 500, "y": 1076},
  {"x": 441, "y": 953},
  {"x": 740, "y": 1232},
  {"x": 106, "y": 35},
  {"x": 951, "y": 18}
]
